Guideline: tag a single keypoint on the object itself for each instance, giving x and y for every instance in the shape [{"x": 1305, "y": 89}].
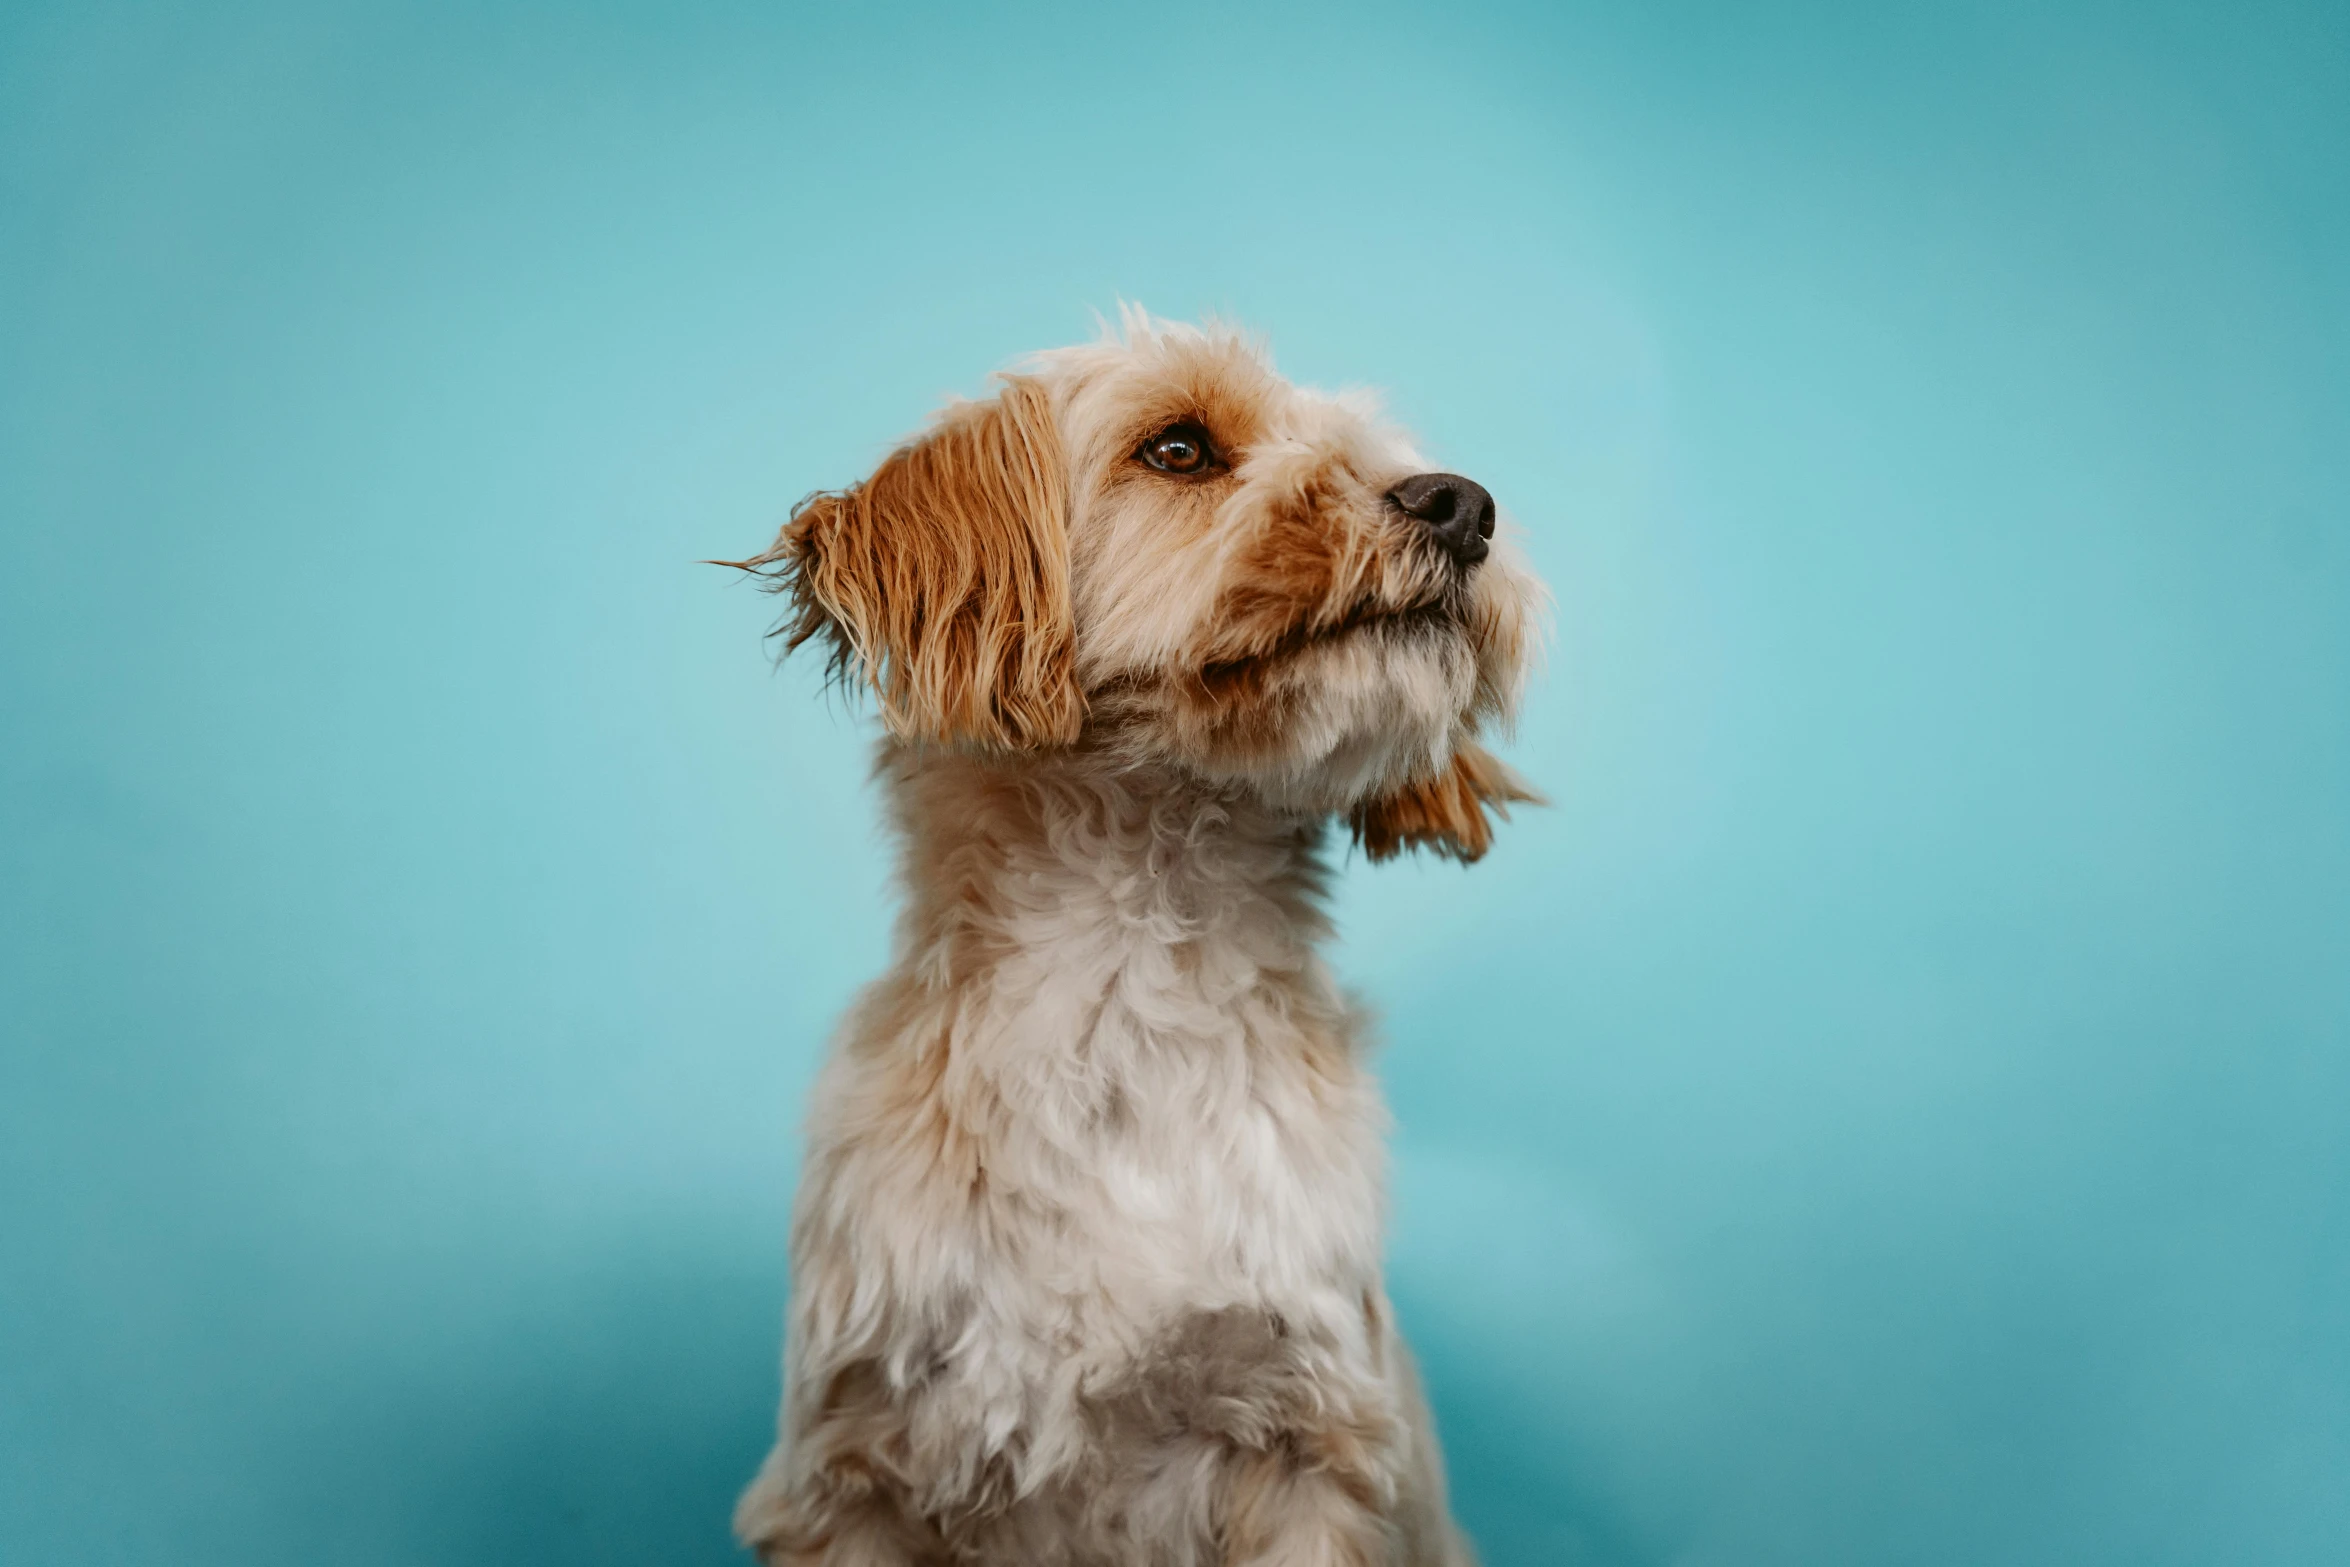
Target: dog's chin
[{"x": 1355, "y": 714}]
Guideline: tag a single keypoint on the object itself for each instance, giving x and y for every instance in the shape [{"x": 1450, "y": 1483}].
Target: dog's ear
[
  {"x": 1444, "y": 813},
  {"x": 942, "y": 581}
]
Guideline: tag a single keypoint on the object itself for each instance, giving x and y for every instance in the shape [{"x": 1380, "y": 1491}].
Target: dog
[{"x": 1086, "y": 1251}]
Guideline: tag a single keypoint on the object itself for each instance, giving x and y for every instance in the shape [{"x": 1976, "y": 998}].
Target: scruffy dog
[{"x": 1086, "y": 1256}]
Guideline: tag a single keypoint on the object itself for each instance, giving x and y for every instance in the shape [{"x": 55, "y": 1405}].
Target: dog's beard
[{"x": 1345, "y": 713}]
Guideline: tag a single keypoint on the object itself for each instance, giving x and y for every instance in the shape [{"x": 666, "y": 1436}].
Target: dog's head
[{"x": 1155, "y": 548}]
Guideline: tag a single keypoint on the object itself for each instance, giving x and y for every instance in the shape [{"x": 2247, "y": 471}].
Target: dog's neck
[
  {"x": 1072, "y": 866},
  {"x": 1108, "y": 970}
]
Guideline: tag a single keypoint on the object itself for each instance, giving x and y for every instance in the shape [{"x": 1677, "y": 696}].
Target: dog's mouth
[{"x": 1387, "y": 622}]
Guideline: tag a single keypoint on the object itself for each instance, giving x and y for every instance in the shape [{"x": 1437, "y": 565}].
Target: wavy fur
[{"x": 1086, "y": 1256}]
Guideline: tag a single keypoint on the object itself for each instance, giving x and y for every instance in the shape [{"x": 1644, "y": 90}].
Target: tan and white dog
[{"x": 1086, "y": 1255}]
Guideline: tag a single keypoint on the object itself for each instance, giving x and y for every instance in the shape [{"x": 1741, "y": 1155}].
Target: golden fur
[
  {"x": 945, "y": 577},
  {"x": 1444, "y": 812},
  {"x": 1086, "y": 1252}
]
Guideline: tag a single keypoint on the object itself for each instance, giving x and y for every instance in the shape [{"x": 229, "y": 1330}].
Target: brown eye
[{"x": 1180, "y": 448}]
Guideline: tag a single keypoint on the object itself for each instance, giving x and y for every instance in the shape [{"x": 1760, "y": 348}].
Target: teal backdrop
[{"x": 1893, "y": 1107}]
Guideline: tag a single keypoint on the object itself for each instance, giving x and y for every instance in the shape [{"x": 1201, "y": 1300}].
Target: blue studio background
[{"x": 1892, "y": 1109}]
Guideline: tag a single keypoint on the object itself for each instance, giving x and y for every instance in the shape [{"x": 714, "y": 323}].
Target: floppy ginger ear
[
  {"x": 943, "y": 580},
  {"x": 1444, "y": 813}
]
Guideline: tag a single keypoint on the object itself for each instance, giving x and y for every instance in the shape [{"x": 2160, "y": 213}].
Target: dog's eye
[{"x": 1179, "y": 448}]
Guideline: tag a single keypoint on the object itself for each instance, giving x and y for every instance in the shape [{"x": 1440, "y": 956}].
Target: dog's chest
[
  {"x": 1205, "y": 1133},
  {"x": 1206, "y": 1191}
]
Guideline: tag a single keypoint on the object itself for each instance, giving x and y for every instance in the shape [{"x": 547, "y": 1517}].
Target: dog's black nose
[{"x": 1456, "y": 510}]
